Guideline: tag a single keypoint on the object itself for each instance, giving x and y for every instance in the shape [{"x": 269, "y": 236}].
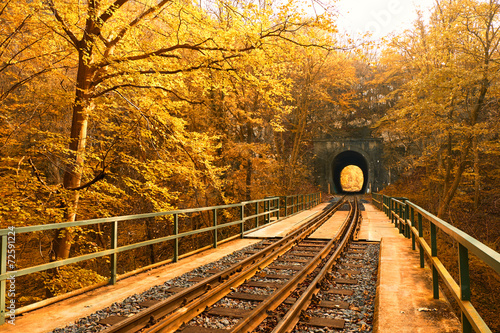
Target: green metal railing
[
  {"x": 408, "y": 218},
  {"x": 272, "y": 210},
  {"x": 296, "y": 203}
]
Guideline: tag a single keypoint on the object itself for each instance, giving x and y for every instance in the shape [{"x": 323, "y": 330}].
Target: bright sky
[{"x": 380, "y": 17}]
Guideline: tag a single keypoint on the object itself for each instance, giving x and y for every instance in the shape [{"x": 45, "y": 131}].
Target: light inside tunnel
[
  {"x": 341, "y": 161},
  {"x": 351, "y": 179}
]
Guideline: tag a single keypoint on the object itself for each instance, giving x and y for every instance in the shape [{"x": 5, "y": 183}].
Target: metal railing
[
  {"x": 271, "y": 207},
  {"x": 408, "y": 218},
  {"x": 296, "y": 203}
]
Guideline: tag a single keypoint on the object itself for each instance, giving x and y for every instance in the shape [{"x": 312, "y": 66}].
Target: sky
[{"x": 380, "y": 17}]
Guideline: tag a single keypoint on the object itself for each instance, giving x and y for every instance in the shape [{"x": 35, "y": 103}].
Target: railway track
[{"x": 268, "y": 291}]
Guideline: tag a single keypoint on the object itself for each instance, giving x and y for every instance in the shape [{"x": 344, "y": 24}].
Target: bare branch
[
  {"x": 167, "y": 72},
  {"x": 18, "y": 28},
  {"x": 36, "y": 172},
  {"x": 136, "y": 21},
  {"x": 21, "y": 82},
  {"x": 65, "y": 27},
  {"x": 162, "y": 52},
  {"x": 147, "y": 87},
  {"x": 97, "y": 178}
]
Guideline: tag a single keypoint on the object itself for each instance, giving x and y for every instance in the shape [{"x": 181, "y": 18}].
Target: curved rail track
[{"x": 277, "y": 284}]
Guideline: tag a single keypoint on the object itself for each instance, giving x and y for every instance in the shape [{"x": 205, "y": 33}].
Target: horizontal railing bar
[
  {"x": 271, "y": 206},
  {"x": 486, "y": 254},
  {"x": 394, "y": 206},
  {"x": 124, "y": 218},
  {"x": 466, "y": 306},
  {"x": 129, "y": 247}
]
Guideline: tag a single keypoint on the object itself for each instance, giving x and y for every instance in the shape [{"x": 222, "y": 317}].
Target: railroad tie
[{"x": 324, "y": 322}]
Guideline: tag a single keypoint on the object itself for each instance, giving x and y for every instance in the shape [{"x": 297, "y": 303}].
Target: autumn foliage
[
  {"x": 117, "y": 107},
  {"x": 443, "y": 131}
]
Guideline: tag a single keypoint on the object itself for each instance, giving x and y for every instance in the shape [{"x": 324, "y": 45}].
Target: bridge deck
[
  {"x": 404, "y": 291},
  {"x": 404, "y": 301},
  {"x": 286, "y": 226}
]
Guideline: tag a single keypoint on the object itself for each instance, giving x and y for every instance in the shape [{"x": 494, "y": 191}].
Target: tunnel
[{"x": 341, "y": 161}]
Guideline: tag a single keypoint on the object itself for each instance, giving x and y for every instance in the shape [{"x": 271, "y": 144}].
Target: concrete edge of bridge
[
  {"x": 377, "y": 293},
  {"x": 404, "y": 300}
]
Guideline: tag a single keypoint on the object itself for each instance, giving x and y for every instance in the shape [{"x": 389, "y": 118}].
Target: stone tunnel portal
[{"x": 349, "y": 158}]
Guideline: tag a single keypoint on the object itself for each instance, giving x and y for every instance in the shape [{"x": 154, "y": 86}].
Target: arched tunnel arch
[{"x": 344, "y": 159}]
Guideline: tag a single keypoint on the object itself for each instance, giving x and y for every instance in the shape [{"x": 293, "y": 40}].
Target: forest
[{"x": 119, "y": 107}]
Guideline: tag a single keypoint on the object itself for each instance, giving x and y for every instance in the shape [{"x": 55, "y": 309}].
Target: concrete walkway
[
  {"x": 288, "y": 225},
  {"x": 404, "y": 302},
  {"x": 62, "y": 313}
]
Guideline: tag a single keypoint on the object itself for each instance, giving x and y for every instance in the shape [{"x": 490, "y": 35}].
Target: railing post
[
  {"x": 404, "y": 207},
  {"x": 268, "y": 210},
  {"x": 435, "y": 275},
  {"x": 265, "y": 212},
  {"x": 176, "y": 241},
  {"x": 402, "y": 225},
  {"x": 286, "y": 206},
  {"x": 215, "y": 228},
  {"x": 3, "y": 282},
  {"x": 463, "y": 265},
  {"x": 407, "y": 220},
  {"x": 256, "y": 213},
  {"x": 412, "y": 219},
  {"x": 242, "y": 217},
  {"x": 278, "y": 208},
  {"x": 268, "y": 205},
  {"x": 420, "y": 234},
  {"x": 395, "y": 211},
  {"x": 464, "y": 278},
  {"x": 392, "y": 203},
  {"x": 401, "y": 216},
  {"x": 114, "y": 256}
]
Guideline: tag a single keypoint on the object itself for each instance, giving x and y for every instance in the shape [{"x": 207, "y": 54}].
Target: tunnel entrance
[{"x": 343, "y": 160}]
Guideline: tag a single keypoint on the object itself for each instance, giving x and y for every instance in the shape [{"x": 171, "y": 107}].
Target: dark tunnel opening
[{"x": 344, "y": 159}]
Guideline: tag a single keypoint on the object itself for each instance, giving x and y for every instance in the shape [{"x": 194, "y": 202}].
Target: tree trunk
[
  {"x": 302, "y": 113},
  {"x": 448, "y": 196},
  {"x": 248, "y": 181},
  {"x": 73, "y": 173},
  {"x": 477, "y": 177}
]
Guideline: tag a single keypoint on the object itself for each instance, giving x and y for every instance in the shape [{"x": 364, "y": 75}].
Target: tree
[
  {"x": 442, "y": 115},
  {"x": 124, "y": 45}
]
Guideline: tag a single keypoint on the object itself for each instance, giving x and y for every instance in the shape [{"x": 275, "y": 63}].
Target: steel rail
[
  {"x": 188, "y": 312},
  {"x": 182, "y": 305},
  {"x": 259, "y": 313},
  {"x": 288, "y": 322}
]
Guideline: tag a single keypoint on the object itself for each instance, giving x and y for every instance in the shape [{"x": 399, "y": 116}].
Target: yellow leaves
[{"x": 69, "y": 278}]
